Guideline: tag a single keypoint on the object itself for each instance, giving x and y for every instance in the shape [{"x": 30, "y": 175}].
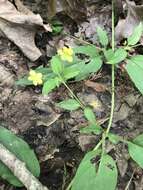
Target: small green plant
[
  {"x": 78, "y": 63},
  {"x": 57, "y": 27}
]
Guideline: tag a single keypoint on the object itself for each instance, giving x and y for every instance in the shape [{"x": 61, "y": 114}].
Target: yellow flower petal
[
  {"x": 39, "y": 75},
  {"x": 66, "y": 54},
  {"x": 60, "y": 52},
  {"x": 69, "y": 51},
  {"x": 36, "y": 78},
  {"x": 35, "y": 82},
  {"x": 40, "y": 81},
  {"x": 29, "y": 78},
  {"x": 32, "y": 73},
  {"x": 70, "y": 59}
]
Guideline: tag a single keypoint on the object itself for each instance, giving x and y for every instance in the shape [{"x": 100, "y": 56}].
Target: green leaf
[
  {"x": 136, "y": 150},
  {"x": 89, "y": 50},
  {"x": 103, "y": 38},
  {"x": 93, "y": 128},
  {"x": 109, "y": 54},
  {"x": 138, "y": 60},
  {"x": 86, "y": 173},
  {"x": 70, "y": 72},
  {"x": 119, "y": 55},
  {"x": 134, "y": 68},
  {"x": 57, "y": 65},
  {"x": 135, "y": 37},
  {"x": 89, "y": 114},
  {"x": 139, "y": 140},
  {"x": 22, "y": 151},
  {"x": 107, "y": 174},
  {"x": 23, "y": 82},
  {"x": 46, "y": 72},
  {"x": 87, "y": 178},
  {"x": 86, "y": 69},
  {"x": 57, "y": 27},
  {"x": 49, "y": 85},
  {"x": 43, "y": 70},
  {"x": 136, "y": 153},
  {"x": 115, "y": 139},
  {"x": 69, "y": 104}
]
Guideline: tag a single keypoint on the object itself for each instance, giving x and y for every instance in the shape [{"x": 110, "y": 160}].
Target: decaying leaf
[
  {"x": 21, "y": 27},
  {"x": 76, "y": 9},
  {"x": 126, "y": 26},
  {"x": 98, "y": 87}
]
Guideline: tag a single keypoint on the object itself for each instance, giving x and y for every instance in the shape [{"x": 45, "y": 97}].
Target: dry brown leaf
[
  {"x": 76, "y": 9},
  {"x": 125, "y": 27},
  {"x": 21, "y": 28},
  {"x": 98, "y": 87},
  {"x": 21, "y": 8}
]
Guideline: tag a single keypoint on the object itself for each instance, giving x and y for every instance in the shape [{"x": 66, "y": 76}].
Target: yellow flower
[
  {"x": 66, "y": 54},
  {"x": 36, "y": 78}
]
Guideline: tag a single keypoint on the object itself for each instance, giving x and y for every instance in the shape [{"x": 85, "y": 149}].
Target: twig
[
  {"x": 129, "y": 183},
  {"x": 19, "y": 170}
]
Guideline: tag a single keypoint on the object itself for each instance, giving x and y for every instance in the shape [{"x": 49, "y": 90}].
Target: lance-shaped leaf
[
  {"x": 69, "y": 104},
  {"x": 136, "y": 150},
  {"x": 136, "y": 35},
  {"x": 107, "y": 174},
  {"x": 134, "y": 68},
  {"x": 102, "y": 35},
  {"x": 86, "y": 173}
]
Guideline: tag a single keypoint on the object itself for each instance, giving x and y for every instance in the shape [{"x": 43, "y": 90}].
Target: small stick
[
  {"x": 19, "y": 170},
  {"x": 129, "y": 183}
]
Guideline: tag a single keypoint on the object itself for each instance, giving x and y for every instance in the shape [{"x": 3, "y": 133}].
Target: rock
[
  {"x": 86, "y": 142},
  {"x": 122, "y": 157},
  {"x": 92, "y": 100},
  {"x": 123, "y": 113},
  {"x": 6, "y": 78},
  {"x": 43, "y": 107},
  {"x": 131, "y": 99}
]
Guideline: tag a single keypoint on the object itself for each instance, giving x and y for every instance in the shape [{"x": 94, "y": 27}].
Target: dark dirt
[{"x": 54, "y": 134}]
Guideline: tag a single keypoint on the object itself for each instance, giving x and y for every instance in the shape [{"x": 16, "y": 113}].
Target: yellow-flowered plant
[
  {"x": 36, "y": 78},
  {"x": 60, "y": 73},
  {"x": 66, "y": 54}
]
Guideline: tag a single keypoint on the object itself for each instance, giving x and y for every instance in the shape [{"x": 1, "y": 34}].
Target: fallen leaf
[
  {"x": 21, "y": 28},
  {"x": 98, "y": 87},
  {"x": 75, "y": 9},
  {"x": 21, "y": 8},
  {"x": 125, "y": 27}
]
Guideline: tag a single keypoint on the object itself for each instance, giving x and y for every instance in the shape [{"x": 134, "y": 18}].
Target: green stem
[
  {"x": 83, "y": 41},
  {"x": 73, "y": 95},
  {"x": 113, "y": 75},
  {"x": 98, "y": 145},
  {"x": 102, "y": 141}
]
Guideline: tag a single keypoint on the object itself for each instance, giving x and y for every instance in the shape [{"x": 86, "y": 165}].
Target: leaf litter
[
  {"x": 55, "y": 138},
  {"x": 21, "y": 27}
]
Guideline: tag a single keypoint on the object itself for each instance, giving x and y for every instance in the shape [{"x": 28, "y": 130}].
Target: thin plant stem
[
  {"x": 84, "y": 41},
  {"x": 73, "y": 95},
  {"x": 113, "y": 76},
  {"x": 104, "y": 136},
  {"x": 98, "y": 145}
]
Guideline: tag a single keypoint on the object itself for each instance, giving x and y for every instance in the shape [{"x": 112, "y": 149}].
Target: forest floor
[{"x": 54, "y": 134}]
